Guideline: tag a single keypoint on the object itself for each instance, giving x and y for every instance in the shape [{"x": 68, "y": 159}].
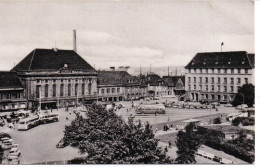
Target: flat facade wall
[{"x": 215, "y": 85}]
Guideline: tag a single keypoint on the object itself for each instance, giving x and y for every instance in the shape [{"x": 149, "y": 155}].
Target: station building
[
  {"x": 217, "y": 76},
  {"x": 56, "y": 78}
]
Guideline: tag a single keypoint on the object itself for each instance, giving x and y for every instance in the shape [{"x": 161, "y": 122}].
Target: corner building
[
  {"x": 217, "y": 76},
  {"x": 56, "y": 78}
]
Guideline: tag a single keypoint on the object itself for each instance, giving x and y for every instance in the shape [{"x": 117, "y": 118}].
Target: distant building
[
  {"x": 156, "y": 86},
  {"x": 176, "y": 84},
  {"x": 11, "y": 92},
  {"x": 56, "y": 78},
  {"x": 217, "y": 76}
]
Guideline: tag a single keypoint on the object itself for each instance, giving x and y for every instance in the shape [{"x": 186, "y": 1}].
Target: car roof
[{"x": 14, "y": 149}]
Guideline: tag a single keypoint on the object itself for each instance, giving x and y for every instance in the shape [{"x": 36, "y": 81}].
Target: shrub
[
  {"x": 245, "y": 121},
  {"x": 217, "y": 121}
]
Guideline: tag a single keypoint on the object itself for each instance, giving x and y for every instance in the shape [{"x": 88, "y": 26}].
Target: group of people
[{"x": 167, "y": 127}]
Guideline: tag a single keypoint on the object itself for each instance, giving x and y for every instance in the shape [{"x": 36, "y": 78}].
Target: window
[
  {"x": 225, "y": 80},
  {"x": 218, "y": 80},
  {"x": 46, "y": 81},
  {"x": 83, "y": 89},
  {"x": 225, "y": 97},
  {"x": 225, "y": 71},
  {"x": 89, "y": 88},
  {"x": 225, "y": 88},
  {"x": 246, "y": 71},
  {"x": 246, "y": 80},
  {"x": 232, "y": 71},
  {"x": 76, "y": 89},
  {"x": 102, "y": 91},
  {"x": 213, "y": 97},
  {"x": 46, "y": 91},
  {"x": 61, "y": 90},
  {"x": 212, "y": 70},
  {"x": 200, "y": 87},
  {"x": 69, "y": 89},
  {"x": 38, "y": 89},
  {"x": 200, "y": 79},
  {"x": 231, "y": 88},
  {"x": 212, "y": 79},
  {"x": 188, "y": 79},
  {"x": 54, "y": 90},
  {"x": 212, "y": 87},
  {"x": 38, "y": 81},
  {"x": 219, "y": 71},
  {"x": 207, "y": 88},
  {"x": 113, "y": 90},
  {"x": 118, "y": 90},
  {"x": 218, "y": 87},
  {"x": 194, "y": 79},
  {"x": 238, "y": 71},
  {"x": 238, "y": 88},
  {"x": 232, "y": 80},
  {"x": 194, "y": 87},
  {"x": 238, "y": 80},
  {"x": 206, "y": 79},
  {"x": 189, "y": 87},
  {"x": 108, "y": 90},
  {"x": 189, "y": 71}
]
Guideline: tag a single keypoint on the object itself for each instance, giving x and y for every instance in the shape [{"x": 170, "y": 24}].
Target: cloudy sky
[{"x": 115, "y": 33}]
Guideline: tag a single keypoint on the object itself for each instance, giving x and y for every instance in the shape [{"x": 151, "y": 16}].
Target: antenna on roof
[{"x": 222, "y": 43}]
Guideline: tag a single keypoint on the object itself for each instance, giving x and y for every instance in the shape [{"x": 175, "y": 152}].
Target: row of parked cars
[
  {"x": 8, "y": 144},
  {"x": 185, "y": 105}
]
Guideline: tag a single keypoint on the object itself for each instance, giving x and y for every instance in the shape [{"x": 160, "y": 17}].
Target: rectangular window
[
  {"x": 207, "y": 88},
  {"x": 225, "y": 80},
  {"x": 194, "y": 87},
  {"x": 194, "y": 79},
  {"x": 76, "y": 89},
  {"x": 218, "y": 87},
  {"x": 206, "y": 79},
  {"x": 189, "y": 87},
  {"x": 225, "y": 88},
  {"x": 218, "y": 80},
  {"x": 200, "y": 79},
  {"x": 200, "y": 87},
  {"x": 212, "y": 87},
  {"x": 232, "y": 80},
  {"x": 225, "y": 71},
  {"x": 118, "y": 90},
  {"x": 238, "y": 80},
  {"x": 46, "y": 91},
  {"x": 238, "y": 71},
  {"x": 232, "y": 71},
  {"x": 231, "y": 88},
  {"x": 246, "y": 80},
  {"x": 83, "y": 89},
  {"x": 212, "y": 79},
  {"x": 200, "y": 70},
  {"x": 102, "y": 91},
  {"x": 54, "y": 90},
  {"x": 61, "y": 90},
  {"x": 189, "y": 79},
  {"x": 108, "y": 90},
  {"x": 246, "y": 71},
  {"x": 38, "y": 89},
  {"x": 69, "y": 89},
  {"x": 113, "y": 90},
  {"x": 219, "y": 71}
]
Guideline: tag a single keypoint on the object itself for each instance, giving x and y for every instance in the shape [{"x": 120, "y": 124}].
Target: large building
[
  {"x": 11, "y": 92},
  {"x": 56, "y": 78},
  {"x": 217, "y": 76}
]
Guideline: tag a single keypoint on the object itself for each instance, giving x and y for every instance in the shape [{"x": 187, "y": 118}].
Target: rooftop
[
  {"x": 234, "y": 59},
  {"x": 9, "y": 80},
  {"x": 52, "y": 60}
]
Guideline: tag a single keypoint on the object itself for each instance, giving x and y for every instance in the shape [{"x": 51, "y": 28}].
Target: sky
[{"x": 126, "y": 33}]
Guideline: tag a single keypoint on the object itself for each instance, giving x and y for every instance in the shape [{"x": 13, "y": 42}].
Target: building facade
[
  {"x": 217, "y": 76},
  {"x": 11, "y": 92},
  {"x": 56, "y": 78}
]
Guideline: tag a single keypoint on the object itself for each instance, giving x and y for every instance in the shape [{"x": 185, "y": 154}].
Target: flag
[{"x": 222, "y": 43}]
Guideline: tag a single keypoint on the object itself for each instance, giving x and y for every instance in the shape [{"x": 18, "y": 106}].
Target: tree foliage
[
  {"x": 246, "y": 93},
  {"x": 188, "y": 144},
  {"x": 217, "y": 120},
  {"x": 107, "y": 139}
]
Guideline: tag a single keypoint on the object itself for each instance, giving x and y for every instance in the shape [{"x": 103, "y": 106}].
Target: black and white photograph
[{"x": 127, "y": 82}]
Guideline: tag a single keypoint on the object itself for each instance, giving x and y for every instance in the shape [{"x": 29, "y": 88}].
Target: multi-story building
[
  {"x": 56, "y": 78},
  {"x": 11, "y": 92},
  {"x": 175, "y": 84},
  {"x": 156, "y": 86},
  {"x": 217, "y": 76}
]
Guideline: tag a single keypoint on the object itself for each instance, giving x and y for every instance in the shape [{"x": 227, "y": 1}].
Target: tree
[
  {"x": 247, "y": 94},
  {"x": 188, "y": 144},
  {"x": 108, "y": 139}
]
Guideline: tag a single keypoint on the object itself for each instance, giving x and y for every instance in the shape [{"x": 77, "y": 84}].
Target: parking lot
[{"x": 38, "y": 145}]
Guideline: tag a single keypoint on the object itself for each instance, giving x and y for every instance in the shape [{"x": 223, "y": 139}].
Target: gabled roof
[
  {"x": 235, "y": 59},
  {"x": 51, "y": 60},
  {"x": 173, "y": 80},
  {"x": 116, "y": 78},
  {"x": 9, "y": 80}
]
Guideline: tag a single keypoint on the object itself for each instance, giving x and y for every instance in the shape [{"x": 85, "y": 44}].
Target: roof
[
  {"x": 116, "y": 78},
  {"x": 154, "y": 79},
  {"x": 9, "y": 80},
  {"x": 51, "y": 60},
  {"x": 173, "y": 80},
  {"x": 235, "y": 59}
]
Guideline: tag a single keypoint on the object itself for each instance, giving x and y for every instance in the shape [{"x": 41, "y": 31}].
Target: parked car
[
  {"x": 242, "y": 106},
  {"x": 228, "y": 105},
  {"x": 15, "y": 152},
  {"x": 7, "y": 144},
  {"x": 11, "y": 157},
  {"x": 2, "y": 122}
]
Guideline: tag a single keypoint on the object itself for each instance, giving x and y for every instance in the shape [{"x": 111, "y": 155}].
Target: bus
[
  {"x": 151, "y": 109},
  {"x": 28, "y": 123},
  {"x": 47, "y": 118}
]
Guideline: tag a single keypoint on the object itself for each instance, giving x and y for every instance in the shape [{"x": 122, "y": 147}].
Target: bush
[
  {"x": 245, "y": 121},
  {"x": 217, "y": 121}
]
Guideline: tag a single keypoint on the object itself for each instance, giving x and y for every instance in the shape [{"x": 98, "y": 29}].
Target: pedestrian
[
  {"x": 156, "y": 130},
  {"x": 67, "y": 118}
]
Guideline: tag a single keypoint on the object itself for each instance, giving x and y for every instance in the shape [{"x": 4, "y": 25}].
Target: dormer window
[
  {"x": 216, "y": 62},
  {"x": 66, "y": 65},
  {"x": 243, "y": 62},
  {"x": 229, "y": 62},
  {"x": 204, "y": 62},
  {"x": 193, "y": 63}
]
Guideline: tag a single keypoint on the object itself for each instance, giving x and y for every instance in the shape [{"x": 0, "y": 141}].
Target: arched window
[
  {"x": 54, "y": 90},
  {"x": 76, "y": 89},
  {"x": 69, "y": 89},
  {"x": 83, "y": 89},
  {"x": 46, "y": 90},
  {"x": 61, "y": 90}
]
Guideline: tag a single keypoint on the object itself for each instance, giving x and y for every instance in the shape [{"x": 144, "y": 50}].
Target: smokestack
[{"x": 74, "y": 41}]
